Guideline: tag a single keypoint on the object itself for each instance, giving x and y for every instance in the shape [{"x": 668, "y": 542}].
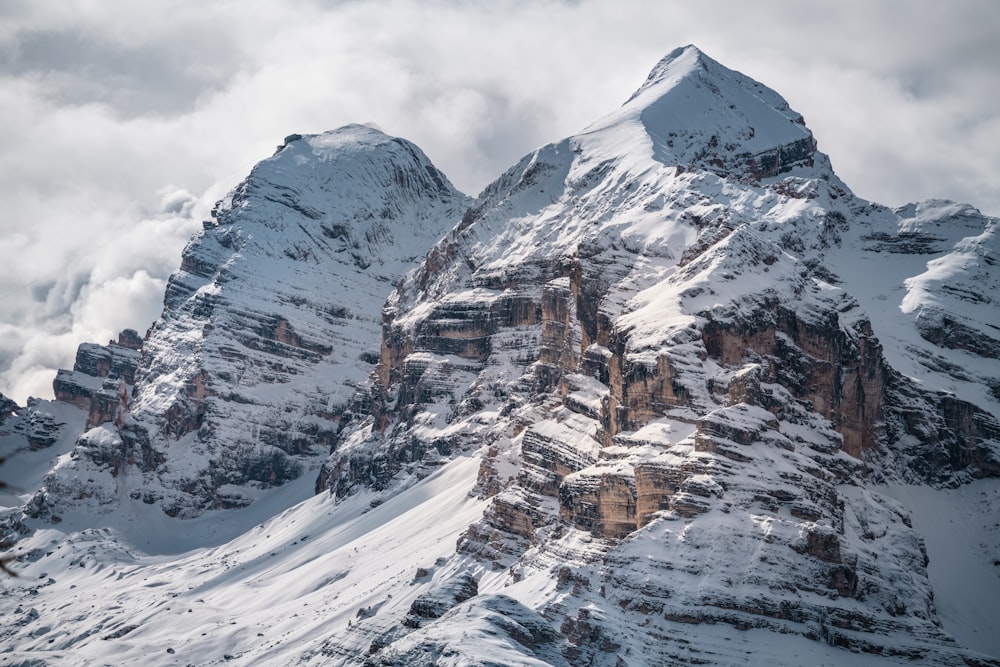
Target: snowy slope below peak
[
  {"x": 323, "y": 581},
  {"x": 274, "y": 595},
  {"x": 697, "y": 143},
  {"x": 962, "y": 535},
  {"x": 926, "y": 275}
]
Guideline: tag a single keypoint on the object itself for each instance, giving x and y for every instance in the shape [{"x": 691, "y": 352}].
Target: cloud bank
[{"x": 126, "y": 121}]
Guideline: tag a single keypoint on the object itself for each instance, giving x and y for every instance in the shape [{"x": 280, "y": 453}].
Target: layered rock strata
[{"x": 651, "y": 330}]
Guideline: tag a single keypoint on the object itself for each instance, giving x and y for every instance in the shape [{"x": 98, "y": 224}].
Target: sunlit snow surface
[
  {"x": 961, "y": 529},
  {"x": 278, "y": 593},
  {"x": 271, "y": 596}
]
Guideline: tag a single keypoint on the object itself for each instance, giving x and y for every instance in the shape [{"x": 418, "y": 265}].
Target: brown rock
[{"x": 602, "y": 502}]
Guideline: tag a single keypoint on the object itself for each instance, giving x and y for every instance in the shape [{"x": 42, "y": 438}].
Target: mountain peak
[
  {"x": 351, "y": 133},
  {"x": 377, "y": 172},
  {"x": 678, "y": 63},
  {"x": 700, "y": 114}
]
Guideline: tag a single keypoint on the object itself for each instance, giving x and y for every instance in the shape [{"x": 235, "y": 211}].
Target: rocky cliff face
[
  {"x": 102, "y": 378},
  {"x": 268, "y": 327},
  {"x": 656, "y": 330},
  {"x": 7, "y": 408},
  {"x": 98, "y": 386}
]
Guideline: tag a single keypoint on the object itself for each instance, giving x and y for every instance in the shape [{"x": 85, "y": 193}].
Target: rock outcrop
[
  {"x": 94, "y": 392},
  {"x": 97, "y": 373},
  {"x": 8, "y": 407}
]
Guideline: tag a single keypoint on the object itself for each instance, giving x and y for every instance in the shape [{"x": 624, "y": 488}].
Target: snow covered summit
[
  {"x": 662, "y": 335},
  {"x": 269, "y": 325},
  {"x": 698, "y": 114}
]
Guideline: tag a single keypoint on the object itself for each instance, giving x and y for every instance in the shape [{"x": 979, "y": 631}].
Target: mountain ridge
[{"x": 642, "y": 386}]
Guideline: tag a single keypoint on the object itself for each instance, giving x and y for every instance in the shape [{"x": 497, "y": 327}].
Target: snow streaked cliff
[
  {"x": 666, "y": 334},
  {"x": 268, "y": 327}
]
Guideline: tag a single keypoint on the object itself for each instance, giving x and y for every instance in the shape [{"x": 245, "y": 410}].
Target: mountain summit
[
  {"x": 662, "y": 335},
  {"x": 667, "y": 392},
  {"x": 268, "y": 327},
  {"x": 698, "y": 114}
]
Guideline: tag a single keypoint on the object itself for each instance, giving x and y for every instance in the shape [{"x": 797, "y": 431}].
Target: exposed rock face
[
  {"x": 664, "y": 353},
  {"x": 436, "y": 603},
  {"x": 98, "y": 386},
  {"x": 493, "y": 630},
  {"x": 268, "y": 326},
  {"x": 7, "y": 408},
  {"x": 109, "y": 404},
  {"x": 38, "y": 428},
  {"x": 95, "y": 367}
]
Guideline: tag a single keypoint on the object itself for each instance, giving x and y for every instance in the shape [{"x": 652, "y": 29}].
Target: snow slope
[
  {"x": 309, "y": 586},
  {"x": 927, "y": 272},
  {"x": 961, "y": 530},
  {"x": 273, "y": 595}
]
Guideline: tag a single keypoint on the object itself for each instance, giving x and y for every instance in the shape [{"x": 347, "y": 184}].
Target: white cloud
[{"x": 115, "y": 112}]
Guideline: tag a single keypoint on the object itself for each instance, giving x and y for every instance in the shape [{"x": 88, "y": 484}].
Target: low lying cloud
[
  {"x": 126, "y": 121},
  {"x": 84, "y": 283}
]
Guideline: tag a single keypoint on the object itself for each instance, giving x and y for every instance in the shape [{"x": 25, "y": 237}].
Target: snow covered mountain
[
  {"x": 667, "y": 393},
  {"x": 267, "y": 328}
]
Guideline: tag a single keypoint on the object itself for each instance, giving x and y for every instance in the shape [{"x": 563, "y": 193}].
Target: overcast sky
[{"x": 125, "y": 121}]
